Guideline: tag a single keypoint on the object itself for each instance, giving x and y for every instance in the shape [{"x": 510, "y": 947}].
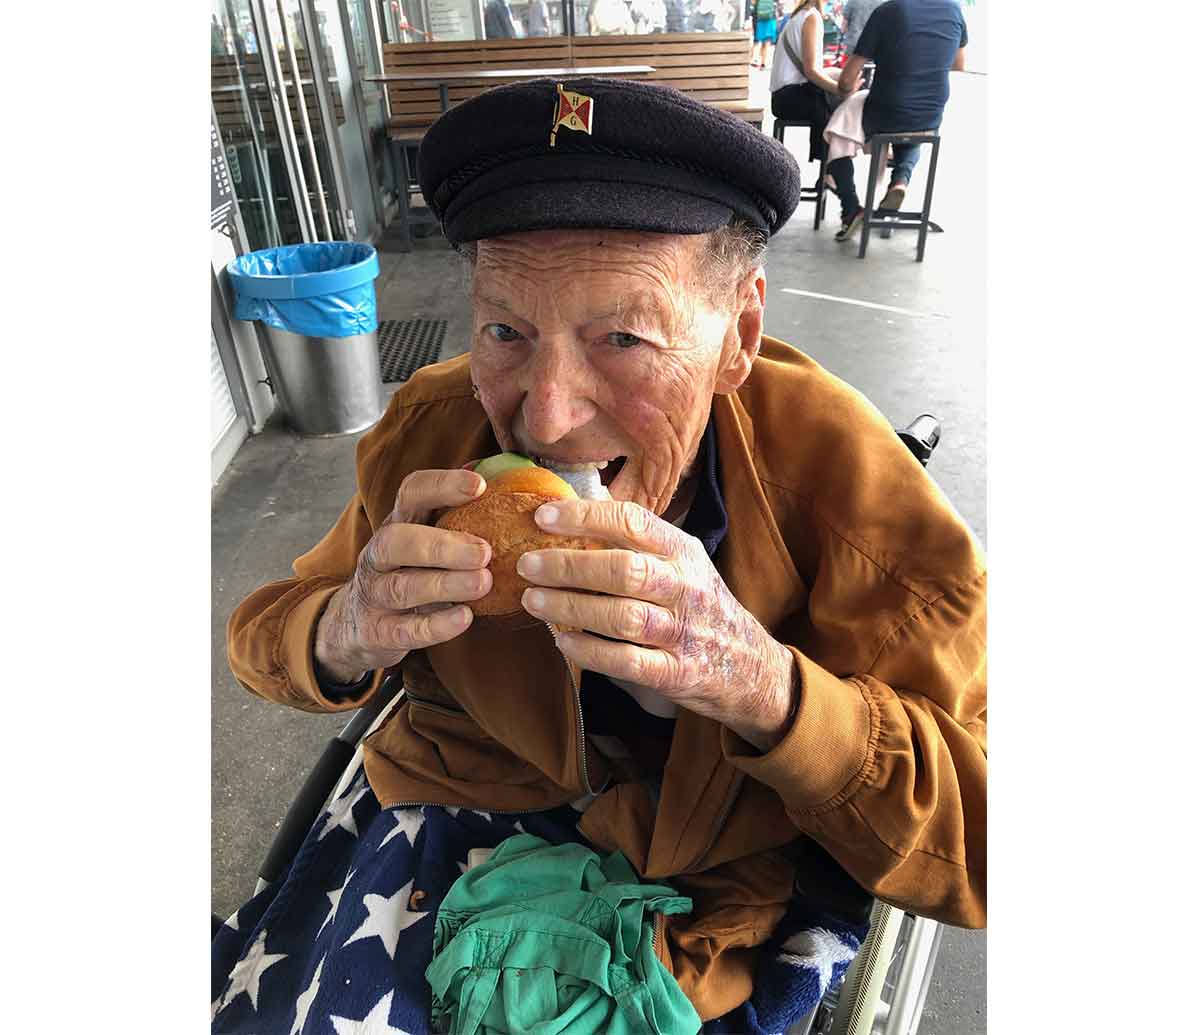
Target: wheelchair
[{"x": 883, "y": 990}]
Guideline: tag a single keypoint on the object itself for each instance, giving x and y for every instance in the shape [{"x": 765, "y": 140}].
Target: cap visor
[{"x": 584, "y": 205}]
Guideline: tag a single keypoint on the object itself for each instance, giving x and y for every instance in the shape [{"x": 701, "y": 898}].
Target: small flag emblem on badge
[{"x": 574, "y": 112}]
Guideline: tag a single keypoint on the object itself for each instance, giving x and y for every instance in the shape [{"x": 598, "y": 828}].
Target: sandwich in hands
[{"x": 503, "y": 515}]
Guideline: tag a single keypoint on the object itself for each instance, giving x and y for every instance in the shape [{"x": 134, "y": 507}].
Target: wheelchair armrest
[{"x": 320, "y": 783}]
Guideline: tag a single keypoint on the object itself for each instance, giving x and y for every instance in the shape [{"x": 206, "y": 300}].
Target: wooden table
[{"x": 443, "y": 80}]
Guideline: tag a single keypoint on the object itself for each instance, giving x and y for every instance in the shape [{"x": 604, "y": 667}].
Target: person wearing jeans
[
  {"x": 914, "y": 44},
  {"x": 801, "y": 88}
]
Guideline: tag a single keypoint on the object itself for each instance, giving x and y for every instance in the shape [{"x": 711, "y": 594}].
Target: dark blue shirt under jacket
[{"x": 607, "y": 709}]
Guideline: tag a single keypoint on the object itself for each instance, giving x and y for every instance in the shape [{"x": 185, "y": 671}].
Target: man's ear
[{"x": 744, "y": 337}]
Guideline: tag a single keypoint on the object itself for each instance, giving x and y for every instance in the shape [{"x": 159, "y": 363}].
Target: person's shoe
[
  {"x": 894, "y": 197},
  {"x": 850, "y": 227}
]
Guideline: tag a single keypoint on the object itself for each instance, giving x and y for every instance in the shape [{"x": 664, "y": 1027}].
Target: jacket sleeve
[
  {"x": 886, "y": 768},
  {"x": 270, "y": 635}
]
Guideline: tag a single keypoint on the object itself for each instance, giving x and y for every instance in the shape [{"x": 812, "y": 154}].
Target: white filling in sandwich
[{"x": 583, "y": 478}]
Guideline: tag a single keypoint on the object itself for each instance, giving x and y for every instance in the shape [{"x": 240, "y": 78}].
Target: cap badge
[{"x": 574, "y": 112}]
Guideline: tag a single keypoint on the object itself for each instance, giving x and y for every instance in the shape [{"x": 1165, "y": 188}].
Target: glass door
[
  {"x": 278, "y": 69},
  {"x": 362, "y": 24},
  {"x": 298, "y": 70},
  {"x": 268, "y": 194},
  {"x": 344, "y": 29}
]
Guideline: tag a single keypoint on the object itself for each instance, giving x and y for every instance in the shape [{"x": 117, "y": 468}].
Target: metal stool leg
[
  {"x": 933, "y": 161},
  {"x": 401, "y": 167},
  {"x": 878, "y": 154},
  {"x": 819, "y": 206}
]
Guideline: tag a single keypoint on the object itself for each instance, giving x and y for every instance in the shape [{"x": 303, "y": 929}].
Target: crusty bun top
[
  {"x": 529, "y": 479},
  {"x": 503, "y": 515}
]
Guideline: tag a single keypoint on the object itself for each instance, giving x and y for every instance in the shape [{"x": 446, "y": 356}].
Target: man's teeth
[{"x": 555, "y": 465}]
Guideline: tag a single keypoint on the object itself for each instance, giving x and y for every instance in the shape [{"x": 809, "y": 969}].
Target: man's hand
[
  {"x": 850, "y": 90},
  {"x": 677, "y": 628},
  {"x": 409, "y": 576}
]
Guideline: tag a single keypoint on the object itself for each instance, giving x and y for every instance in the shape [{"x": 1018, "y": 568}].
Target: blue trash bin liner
[{"x": 322, "y": 290}]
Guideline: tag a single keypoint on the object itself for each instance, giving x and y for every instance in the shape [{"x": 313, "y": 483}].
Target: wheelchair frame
[{"x": 884, "y": 988}]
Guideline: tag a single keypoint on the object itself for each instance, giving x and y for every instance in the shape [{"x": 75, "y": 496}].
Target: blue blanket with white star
[{"x": 340, "y": 945}]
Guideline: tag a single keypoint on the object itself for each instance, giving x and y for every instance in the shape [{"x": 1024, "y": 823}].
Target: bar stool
[
  {"x": 399, "y": 140},
  {"x": 880, "y": 144},
  {"x": 814, "y": 194}
]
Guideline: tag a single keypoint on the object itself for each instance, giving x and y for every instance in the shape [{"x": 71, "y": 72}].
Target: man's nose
[{"x": 558, "y": 397}]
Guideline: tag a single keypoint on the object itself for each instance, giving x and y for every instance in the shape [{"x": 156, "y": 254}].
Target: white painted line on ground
[{"x": 859, "y": 301}]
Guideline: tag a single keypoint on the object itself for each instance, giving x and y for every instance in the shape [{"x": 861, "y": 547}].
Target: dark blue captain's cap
[{"x": 592, "y": 153}]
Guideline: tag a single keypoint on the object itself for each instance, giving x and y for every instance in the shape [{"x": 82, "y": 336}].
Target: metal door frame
[
  {"x": 283, "y": 122},
  {"x": 310, "y": 25},
  {"x": 228, "y": 353},
  {"x": 314, "y": 160},
  {"x": 261, "y": 164},
  {"x": 360, "y": 101},
  {"x": 222, "y": 318},
  {"x": 377, "y": 38}
]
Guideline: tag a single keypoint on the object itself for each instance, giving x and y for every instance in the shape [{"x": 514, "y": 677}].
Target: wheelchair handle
[{"x": 922, "y": 436}]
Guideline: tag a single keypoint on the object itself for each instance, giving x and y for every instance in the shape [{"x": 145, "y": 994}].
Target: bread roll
[{"x": 503, "y": 516}]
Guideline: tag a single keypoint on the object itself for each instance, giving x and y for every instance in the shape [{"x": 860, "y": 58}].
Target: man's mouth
[
  {"x": 609, "y": 469},
  {"x": 610, "y": 472}
]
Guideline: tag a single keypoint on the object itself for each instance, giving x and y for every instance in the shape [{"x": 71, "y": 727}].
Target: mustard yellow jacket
[{"x": 839, "y": 543}]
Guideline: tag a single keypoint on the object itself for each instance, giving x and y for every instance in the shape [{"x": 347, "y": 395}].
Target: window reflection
[
  {"x": 413, "y": 21},
  {"x": 642, "y": 17}
]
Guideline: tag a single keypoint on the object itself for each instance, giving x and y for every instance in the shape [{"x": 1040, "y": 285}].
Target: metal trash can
[{"x": 316, "y": 303}]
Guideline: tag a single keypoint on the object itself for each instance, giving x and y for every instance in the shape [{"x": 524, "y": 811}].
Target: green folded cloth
[{"x": 549, "y": 939}]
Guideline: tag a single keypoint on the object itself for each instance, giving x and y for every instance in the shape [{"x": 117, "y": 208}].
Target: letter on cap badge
[{"x": 574, "y": 112}]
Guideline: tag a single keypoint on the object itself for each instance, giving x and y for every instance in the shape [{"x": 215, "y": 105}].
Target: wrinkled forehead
[
  {"x": 590, "y": 275},
  {"x": 551, "y": 249}
]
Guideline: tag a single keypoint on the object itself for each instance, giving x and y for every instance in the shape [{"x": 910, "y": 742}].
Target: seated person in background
[
  {"x": 800, "y": 87},
  {"x": 773, "y": 685},
  {"x": 914, "y": 44}
]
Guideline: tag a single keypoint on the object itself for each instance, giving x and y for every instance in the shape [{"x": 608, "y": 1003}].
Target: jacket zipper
[{"x": 582, "y": 733}]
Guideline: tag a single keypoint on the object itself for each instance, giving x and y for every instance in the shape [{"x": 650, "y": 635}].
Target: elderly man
[{"x": 773, "y": 692}]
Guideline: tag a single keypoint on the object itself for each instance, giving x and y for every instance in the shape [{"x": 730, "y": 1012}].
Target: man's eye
[
  {"x": 623, "y": 341},
  {"x": 502, "y": 332}
]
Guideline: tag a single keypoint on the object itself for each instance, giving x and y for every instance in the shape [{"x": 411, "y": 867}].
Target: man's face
[{"x": 595, "y": 346}]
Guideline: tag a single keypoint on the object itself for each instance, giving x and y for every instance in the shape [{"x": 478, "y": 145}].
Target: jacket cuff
[
  {"x": 296, "y": 656},
  {"x": 821, "y": 759}
]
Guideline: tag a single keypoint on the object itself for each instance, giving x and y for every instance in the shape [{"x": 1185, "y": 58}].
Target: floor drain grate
[{"x": 407, "y": 345}]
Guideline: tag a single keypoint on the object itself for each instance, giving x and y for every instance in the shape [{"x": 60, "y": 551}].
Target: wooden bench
[
  {"x": 709, "y": 66},
  {"x": 414, "y": 108}
]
